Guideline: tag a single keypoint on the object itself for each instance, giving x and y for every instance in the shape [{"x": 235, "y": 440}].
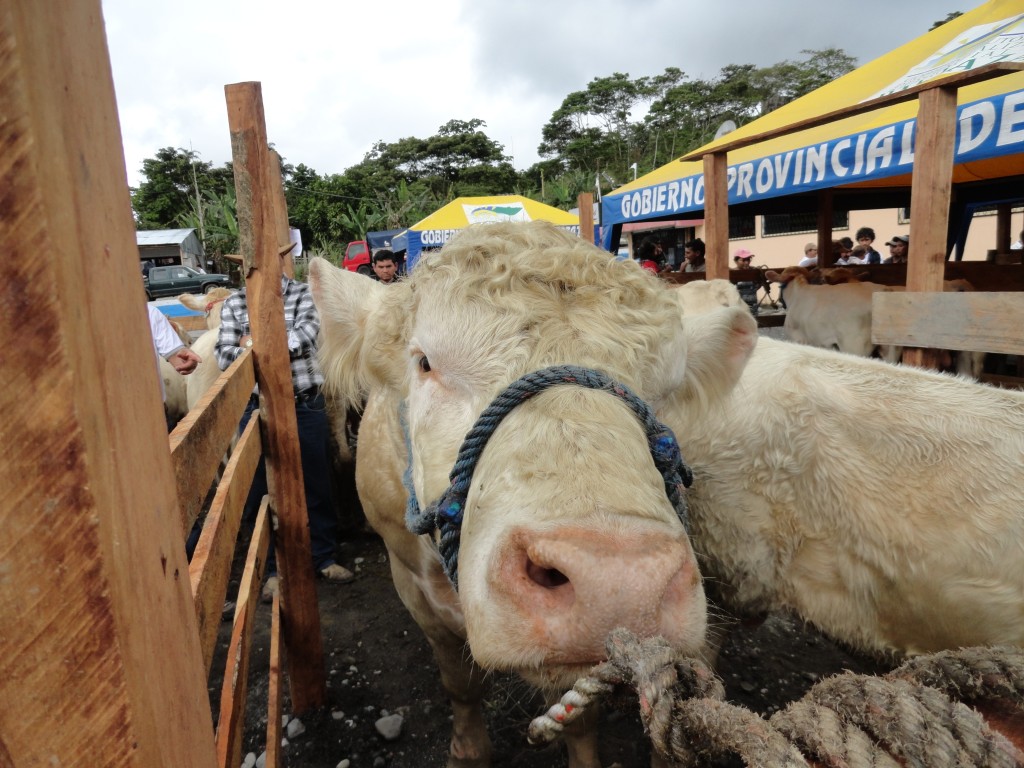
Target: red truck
[{"x": 358, "y": 253}]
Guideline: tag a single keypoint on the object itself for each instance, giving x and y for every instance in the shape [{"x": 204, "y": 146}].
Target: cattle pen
[{"x": 108, "y": 632}]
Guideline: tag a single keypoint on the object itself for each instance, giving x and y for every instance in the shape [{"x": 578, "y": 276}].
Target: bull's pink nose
[{"x": 571, "y": 586}]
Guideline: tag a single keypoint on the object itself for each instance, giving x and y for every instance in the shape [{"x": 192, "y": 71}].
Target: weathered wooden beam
[
  {"x": 231, "y": 721},
  {"x": 284, "y": 234},
  {"x": 971, "y": 321},
  {"x": 200, "y": 439},
  {"x": 100, "y": 661},
  {"x": 716, "y": 216},
  {"x": 825, "y": 218},
  {"x": 585, "y": 204},
  {"x": 258, "y": 239},
  {"x": 1004, "y": 216},
  {"x": 930, "y": 190},
  {"x": 210, "y": 569}
]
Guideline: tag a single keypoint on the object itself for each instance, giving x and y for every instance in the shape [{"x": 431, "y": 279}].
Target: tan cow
[
  {"x": 700, "y": 296},
  {"x": 207, "y": 371},
  {"x": 825, "y": 484},
  {"x": 837, "y": 315},
  {"x": 829, "y": 316}
]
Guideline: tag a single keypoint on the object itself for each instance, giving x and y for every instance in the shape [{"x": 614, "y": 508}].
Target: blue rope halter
[{"x": 445, "y": 514}]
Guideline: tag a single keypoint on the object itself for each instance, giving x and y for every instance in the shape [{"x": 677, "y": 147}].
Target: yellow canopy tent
[
  {"x": 869, "y": 151},
  {"x": 437, "y": 228}
]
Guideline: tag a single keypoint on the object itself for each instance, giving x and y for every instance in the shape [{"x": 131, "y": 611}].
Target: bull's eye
[{"x": 424, "y": 364}]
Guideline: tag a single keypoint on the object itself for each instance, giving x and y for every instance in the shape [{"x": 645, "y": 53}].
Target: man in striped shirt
[{"x": 302, "y": 324}]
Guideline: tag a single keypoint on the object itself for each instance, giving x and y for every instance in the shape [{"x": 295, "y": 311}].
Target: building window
[
  {"x": 776, "y": 224},
  {"x": 741, "y": 227}
]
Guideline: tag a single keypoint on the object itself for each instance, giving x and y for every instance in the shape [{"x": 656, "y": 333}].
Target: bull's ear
[
  {"x": 362, "y": 330},
  {"x": 719, "y": 344}
]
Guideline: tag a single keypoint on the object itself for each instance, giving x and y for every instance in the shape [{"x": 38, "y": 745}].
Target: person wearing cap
[
  {"x": 302, "y": 324},
  {"x": 898, "y": 247},
  {"x": 747, "y": 288}
]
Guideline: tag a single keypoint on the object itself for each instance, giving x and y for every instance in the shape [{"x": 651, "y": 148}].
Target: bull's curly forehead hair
[{"x": 565, "y": 293}]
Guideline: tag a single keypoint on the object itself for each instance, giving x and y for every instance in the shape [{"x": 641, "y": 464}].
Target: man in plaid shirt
[{"x": 302, "y": 324}]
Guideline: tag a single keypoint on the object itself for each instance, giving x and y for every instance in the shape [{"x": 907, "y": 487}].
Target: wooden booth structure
[
  {"x": 107, "y": 633},
  {"x": 924, "y": 317}
]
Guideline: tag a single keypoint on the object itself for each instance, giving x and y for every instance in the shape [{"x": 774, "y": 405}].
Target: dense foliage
[{"x": 596, "y": 139}]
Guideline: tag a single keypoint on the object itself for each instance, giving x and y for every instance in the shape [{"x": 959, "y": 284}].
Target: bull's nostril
[{"x": 545, "y": 577}]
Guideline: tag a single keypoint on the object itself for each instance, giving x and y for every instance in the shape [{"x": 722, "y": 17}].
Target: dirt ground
[{"x": 379, "y": 663}]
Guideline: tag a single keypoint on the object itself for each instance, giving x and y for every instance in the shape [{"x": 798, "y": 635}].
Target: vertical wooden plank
[
  {"x": 585, "y": 202},
  {"x": 825, "y": 217},
  {"x": 258, "y": 241},
  {"x": 930, "y": 189},
  {"x": 1003, "y": 234},
  {"x": 99, "y": 653},
  {"x": 716, "y": 216},
  {"x": 284, "y": 234}
]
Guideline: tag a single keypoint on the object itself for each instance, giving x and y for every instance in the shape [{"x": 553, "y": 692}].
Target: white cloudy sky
[{"x": 338, "y": 75}]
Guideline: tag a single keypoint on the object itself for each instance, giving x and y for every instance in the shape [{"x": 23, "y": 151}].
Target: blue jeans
[{"x": 314, "y": 444}]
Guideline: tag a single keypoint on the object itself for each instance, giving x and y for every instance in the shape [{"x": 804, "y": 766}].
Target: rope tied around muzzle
[
  {"x": 910, "y": 716},
  {"x": 446, "y": 513}
]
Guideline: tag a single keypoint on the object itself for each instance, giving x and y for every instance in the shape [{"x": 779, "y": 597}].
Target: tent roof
[
  {"x": 463, "y": 211},
  {"x": 435, "y": 230},
  {"x": 873, "y": 149}
]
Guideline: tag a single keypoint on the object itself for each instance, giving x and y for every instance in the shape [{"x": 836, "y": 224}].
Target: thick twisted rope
[
  {"x": 855, "y": 721},
  {"x": 446, "y": 513}
]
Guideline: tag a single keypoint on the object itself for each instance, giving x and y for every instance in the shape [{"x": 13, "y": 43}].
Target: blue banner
[{"x": 988, "y": 128}]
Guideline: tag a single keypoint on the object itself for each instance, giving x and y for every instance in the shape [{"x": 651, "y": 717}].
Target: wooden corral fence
[
  {"x": 924, "y": 318},
  {"x": 107, "y": 633}
]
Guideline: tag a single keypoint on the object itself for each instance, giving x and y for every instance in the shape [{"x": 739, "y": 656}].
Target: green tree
[
  {"x": 172, "y": 181},
  {"x": 949, "y": 17},
  {"x": 215, "y": 215}
]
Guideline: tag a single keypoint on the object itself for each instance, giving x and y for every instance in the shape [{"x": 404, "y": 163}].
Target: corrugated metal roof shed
[{"x": 162, "y": 236}]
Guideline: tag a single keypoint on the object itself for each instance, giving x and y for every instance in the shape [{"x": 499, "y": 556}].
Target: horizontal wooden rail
[
  {"x": 202, "y": 438},
  {"x": 970, "y": 321},
  {"x": 231, "y": 722},
  {"x": 210, "y": 569}
]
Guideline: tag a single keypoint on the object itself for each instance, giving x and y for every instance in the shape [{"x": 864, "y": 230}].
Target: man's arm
[
  {"x": 303, "y": 333},
  {"x": 230, "y": 338}
]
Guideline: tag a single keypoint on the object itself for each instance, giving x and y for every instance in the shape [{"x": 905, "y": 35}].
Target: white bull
[
  {"x": 207, "y": 371},
  {"x": 881, "y": 503}
]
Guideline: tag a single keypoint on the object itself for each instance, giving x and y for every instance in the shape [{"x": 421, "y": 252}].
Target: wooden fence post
[
  {"x": 930, "y": 190},
  {"x": 585, "y": 203},
  {"x": 100, "y": 662},
  {"x": 284, "y": 233},
  {"x": 257, "y": 220},
  {"x": 716, "y": 215}
]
